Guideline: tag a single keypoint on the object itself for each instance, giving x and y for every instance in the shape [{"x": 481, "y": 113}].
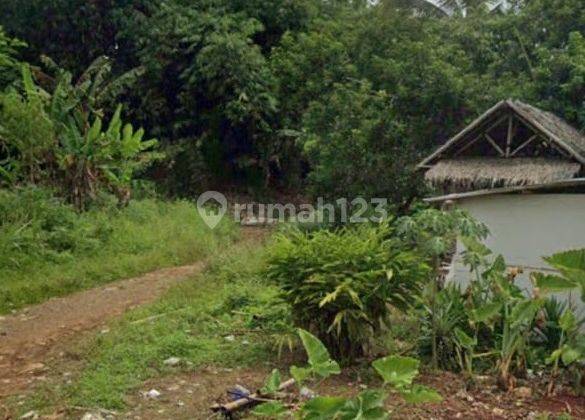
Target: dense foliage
[
  {"x": 342, "y": 284},
  {"x": 339, "y": 96},
  {"x": 55, "y": 136}
]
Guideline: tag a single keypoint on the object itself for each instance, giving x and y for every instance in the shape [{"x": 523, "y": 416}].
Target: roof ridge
[{"x": 554, "y": 127}]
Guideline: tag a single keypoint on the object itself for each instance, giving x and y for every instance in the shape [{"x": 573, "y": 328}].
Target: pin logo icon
[{"x": 211, "y": 206}]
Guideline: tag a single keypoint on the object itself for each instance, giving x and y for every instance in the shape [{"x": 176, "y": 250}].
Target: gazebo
[{"x": 520, "y": 170}]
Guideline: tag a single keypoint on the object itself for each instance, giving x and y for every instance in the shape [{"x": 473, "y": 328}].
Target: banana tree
[{"x": 91, "y": 158}]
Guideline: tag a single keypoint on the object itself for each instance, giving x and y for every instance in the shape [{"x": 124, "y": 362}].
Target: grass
[
  {"x": 47, "y": 250},
  {"x": 230, "y": 299}
]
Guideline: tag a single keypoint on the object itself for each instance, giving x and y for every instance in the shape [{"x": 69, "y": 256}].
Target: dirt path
[{"x": 30, "y": 335}]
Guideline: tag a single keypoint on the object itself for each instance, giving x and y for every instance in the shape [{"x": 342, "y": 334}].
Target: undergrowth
[{"x": 47, "y": 249}]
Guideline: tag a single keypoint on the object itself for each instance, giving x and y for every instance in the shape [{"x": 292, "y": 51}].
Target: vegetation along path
[{"x": 29, "y": 336}]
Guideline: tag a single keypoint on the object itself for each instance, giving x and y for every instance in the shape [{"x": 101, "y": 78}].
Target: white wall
[{"x": 526, "y": 227}]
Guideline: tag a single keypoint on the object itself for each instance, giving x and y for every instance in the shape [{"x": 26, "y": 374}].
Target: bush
[{"x": 340, "y": 284}]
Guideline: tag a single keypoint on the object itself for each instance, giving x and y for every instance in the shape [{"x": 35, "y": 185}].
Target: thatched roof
[
  {"x": 551, "y": 127},
  {"x": 481, "y": 172},
  {"x": 556, "y": 126}
]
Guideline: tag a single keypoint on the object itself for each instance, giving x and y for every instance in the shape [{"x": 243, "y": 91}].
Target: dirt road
[{"x": 28, "y": 337}]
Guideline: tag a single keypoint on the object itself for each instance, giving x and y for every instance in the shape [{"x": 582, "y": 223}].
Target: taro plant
[
  {"x": 568, "y": 351},
  {"x": 341, "y": 284},
  {"x": 435, "y": 233},
  {"x": 571, "y": 265},
  {"x": 498, "y": 303},
  {"x": 465, "y": 347},
  {"x": 397, "y": 372}
]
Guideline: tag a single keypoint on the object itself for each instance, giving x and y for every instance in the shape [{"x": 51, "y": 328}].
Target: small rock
[
  {"x": 92, "y": 416},
  {"x": 245, "y": 342},
  {"x": 180, "y": 403},
  {"x": 105, "y": 331},
  {"x": 33, "y": 367},
  {"x": 153, "y": 393},
  {"x": 523, "y": 392},
  {"x": 172, "y": 361},
  {"x": 307, "y": 393},
  {"x": 230, "y": 338},
  {"x": 464, "y": 396},
  {"x": 30, "y": 415},
  {"x": 498, "y": 412}
]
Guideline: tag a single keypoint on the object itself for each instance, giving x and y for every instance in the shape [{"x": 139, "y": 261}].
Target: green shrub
[{"x": 340, "y": 284}]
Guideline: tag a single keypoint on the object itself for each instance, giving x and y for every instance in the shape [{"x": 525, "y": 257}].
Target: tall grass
[{"x": 47, "y": 249}]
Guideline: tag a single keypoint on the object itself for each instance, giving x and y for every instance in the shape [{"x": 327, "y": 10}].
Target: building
[{"x": 521, "y": 171}]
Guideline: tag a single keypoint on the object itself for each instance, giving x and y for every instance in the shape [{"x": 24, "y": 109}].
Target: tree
[{"x": 9, "y": 64}]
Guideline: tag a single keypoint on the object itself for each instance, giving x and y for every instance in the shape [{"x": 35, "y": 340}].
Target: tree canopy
[{"x": 332, "y": 97}]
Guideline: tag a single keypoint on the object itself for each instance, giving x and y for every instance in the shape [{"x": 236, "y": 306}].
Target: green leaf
[
  {"x": 319, "y": 358},
  {"x": 568, "y": 260},
  {"x": 463, "y": 339},
  {"x": 270, "y": 409},
  {"x": 549, "y": 283},
  {"x": 567, "y": 321},
  {"x": 555, "y": 355},
  {"x": 300, "y": 374},
  {"x": 95, "y": 130},
  {"x": 571, "y": 264},
  {"x": 316, "y": 350},
  {"x": 397, "y": 370},
  {"x": 419, "y": 394},
  {"x": 272, "y": 383},
  {"x": 330, "y": 367},
  {"x": 486, "y": 312},
  {"x": 368, "y": 405},
  {"x": 524, "y": 312},
  {"x": 323, "y": 407},
  {"x": 570, "y": 355}
]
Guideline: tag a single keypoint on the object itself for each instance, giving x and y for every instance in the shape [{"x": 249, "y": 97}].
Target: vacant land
[{"x": 221, "y": 327}]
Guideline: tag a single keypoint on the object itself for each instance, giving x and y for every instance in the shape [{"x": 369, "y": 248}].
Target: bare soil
[
  {"x": 190, "y": 396},
  {"x": 34, "y": 335}
]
